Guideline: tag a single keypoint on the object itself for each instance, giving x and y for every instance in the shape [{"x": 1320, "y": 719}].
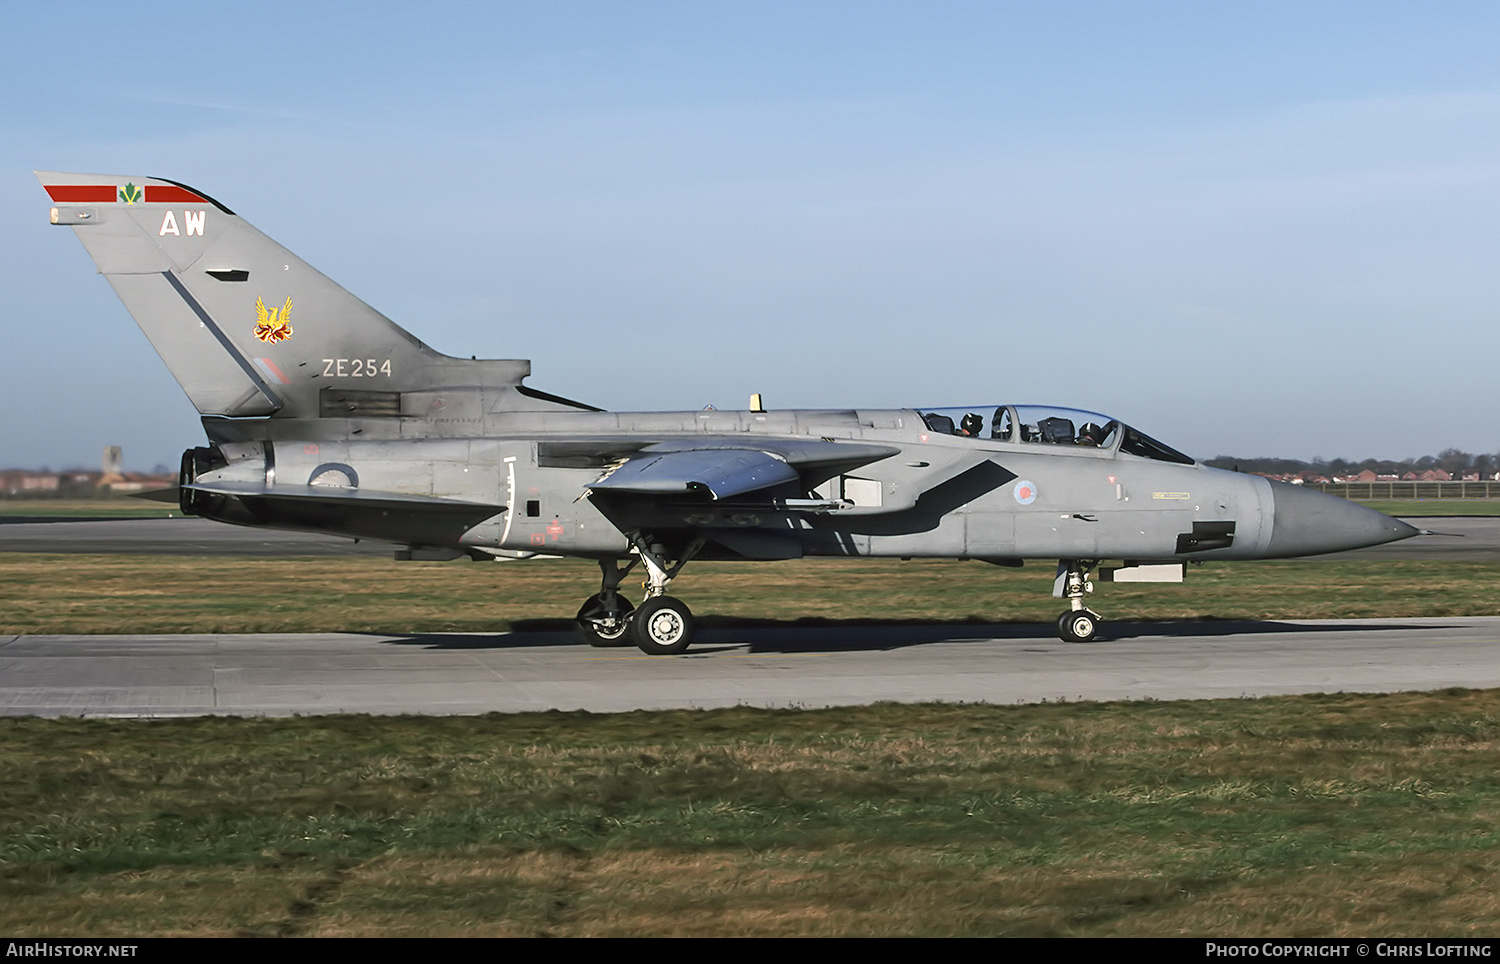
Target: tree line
[{"x": 1455, "y": 462}]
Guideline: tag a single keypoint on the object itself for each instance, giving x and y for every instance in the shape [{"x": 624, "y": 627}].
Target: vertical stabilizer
[{"x": 246, "y": 327}]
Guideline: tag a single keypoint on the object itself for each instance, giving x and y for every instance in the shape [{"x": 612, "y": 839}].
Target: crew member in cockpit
[
  {"x": 971, "y": 425},
  {"x": 1090, "y": 434}
]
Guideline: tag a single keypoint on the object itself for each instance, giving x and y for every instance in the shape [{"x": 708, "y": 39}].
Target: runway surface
[
  {"x": 181, "y": 536},
  {"x": 278, "y": 675}
]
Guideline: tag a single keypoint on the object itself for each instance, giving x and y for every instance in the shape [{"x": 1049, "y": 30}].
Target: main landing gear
[
  {"x": 1079, "y": 624},
  {"x": 605, "y": 616},
  {"x": 662, "y": 626}
]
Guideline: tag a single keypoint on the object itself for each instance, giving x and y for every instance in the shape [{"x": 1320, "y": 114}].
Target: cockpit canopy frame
[{"x": 1048, "y": 425}]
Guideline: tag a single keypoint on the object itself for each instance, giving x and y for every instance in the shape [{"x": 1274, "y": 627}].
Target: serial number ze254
[{"x": 356, "y": 367}]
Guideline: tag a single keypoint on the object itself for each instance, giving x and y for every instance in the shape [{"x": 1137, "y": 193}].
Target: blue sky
[{"x": 1249, "y": 228}]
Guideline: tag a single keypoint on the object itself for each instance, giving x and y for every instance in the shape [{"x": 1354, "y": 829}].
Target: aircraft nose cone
[{"x": 1306, "y": 522}]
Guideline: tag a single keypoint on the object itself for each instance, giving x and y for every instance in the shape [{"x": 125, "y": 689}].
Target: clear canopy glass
[{"x": 1047, "y": 425}]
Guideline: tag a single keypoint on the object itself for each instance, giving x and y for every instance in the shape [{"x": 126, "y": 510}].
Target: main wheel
[
  {"x": 1077, "y": 626},
  {"x": 601, "y": 627},
  {"x": 663, "y": 626}
]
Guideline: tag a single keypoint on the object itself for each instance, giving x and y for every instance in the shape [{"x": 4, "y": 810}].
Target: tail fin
[{"x": 246, "y": 327}]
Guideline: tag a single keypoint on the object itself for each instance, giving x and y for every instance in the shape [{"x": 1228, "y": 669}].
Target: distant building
[
  {"x": 81, "y": 483},
  {"x": 115, "y": 480},
  {"x": 23, "y": 482}
]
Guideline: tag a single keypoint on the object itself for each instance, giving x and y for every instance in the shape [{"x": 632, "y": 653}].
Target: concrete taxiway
[
  {"x": 135, "y": 676},
  {"x": 171, "y": 537}
]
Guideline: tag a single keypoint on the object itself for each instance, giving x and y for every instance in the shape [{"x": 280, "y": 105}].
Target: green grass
[
  {"x": 1325, "y": 815},
  {"x": 161, "y": 594},
  {"x": 1420, "y": 508},
  {"x": 1296, "y": 816},
  {"x": 112, "y": 508}
]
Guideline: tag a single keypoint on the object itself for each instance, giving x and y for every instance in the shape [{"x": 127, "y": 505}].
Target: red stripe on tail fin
[
  {"x": 72, "y": 193},
  {"x": 169, "y": 193}
]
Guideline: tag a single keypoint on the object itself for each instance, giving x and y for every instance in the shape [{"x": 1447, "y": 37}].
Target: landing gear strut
[
  {"x": 1079, "y": 624},
  {"x": 663, "y": 625},
  {"x": 605, "y": 616}
]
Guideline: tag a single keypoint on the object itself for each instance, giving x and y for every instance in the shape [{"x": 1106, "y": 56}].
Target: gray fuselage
[{"x": 938, "y": 495}]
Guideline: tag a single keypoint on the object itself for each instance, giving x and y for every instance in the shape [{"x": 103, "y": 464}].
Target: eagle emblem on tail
[{"x": 273, "y": 324}]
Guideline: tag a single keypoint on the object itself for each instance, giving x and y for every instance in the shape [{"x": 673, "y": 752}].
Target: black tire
[
  {"x": 1077, "y": 626},
  {"x": 663, "y": 626},
  {"x": 597, "y": 626}
]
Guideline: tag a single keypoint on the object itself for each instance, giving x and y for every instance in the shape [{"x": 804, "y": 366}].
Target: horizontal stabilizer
[
  {"x": 357, "y": 513},
  {"x": 354, "y": 498},
  {"x": 718, "y": 473}
]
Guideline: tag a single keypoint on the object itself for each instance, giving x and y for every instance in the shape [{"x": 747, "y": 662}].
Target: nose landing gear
[{"x": 1079, "y": 624}]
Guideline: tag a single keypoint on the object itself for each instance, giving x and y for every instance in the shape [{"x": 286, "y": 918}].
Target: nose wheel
[{"x": 1078, "y": 626}]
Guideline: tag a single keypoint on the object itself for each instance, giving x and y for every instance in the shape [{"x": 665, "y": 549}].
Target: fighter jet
[{"x": 324, "y": 415}]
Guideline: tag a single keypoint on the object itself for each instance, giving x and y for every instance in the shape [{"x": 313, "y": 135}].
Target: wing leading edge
[
  {"x": 719, "y": 474},
  {"x": 725, "y": 470}
]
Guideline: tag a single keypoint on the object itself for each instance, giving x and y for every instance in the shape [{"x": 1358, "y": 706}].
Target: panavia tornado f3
[{"x": 324, "y": 415}]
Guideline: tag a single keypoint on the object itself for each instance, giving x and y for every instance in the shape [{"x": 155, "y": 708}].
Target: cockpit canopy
[{"x": 1045, "y": 425}]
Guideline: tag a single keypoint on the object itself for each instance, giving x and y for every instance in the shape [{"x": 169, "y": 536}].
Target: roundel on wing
[{"x": 1025, "y": 491}]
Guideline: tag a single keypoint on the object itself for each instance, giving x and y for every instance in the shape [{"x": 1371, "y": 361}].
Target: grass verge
[
  {"x": 47, "y": 594},
  {"x": 121, "y": 507},
  {"x": 1294, "y": 816},
  {"x": 1432, "y": 508}
]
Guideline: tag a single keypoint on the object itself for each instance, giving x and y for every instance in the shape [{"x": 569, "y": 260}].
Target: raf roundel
[{"x": 1025, "y": 492}]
